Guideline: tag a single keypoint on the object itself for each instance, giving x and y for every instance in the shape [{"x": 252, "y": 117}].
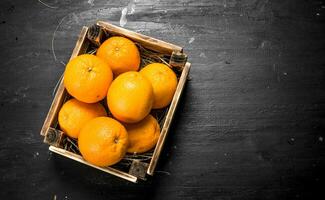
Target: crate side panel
[
  {"x": 168, "y": 120},
  {"x": 78, "y": 158},
  {"x": 61, "y": 93},
  {"x": 146, "y": 41}
]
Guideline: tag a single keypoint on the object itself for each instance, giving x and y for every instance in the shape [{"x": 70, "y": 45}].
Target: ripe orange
[
  {"x": 164, "y": 83},
  {"x": 121, "y": 54},
  {"x": 103, "y": 141},
  {"x": 130, "y": 97},
  {"x": 74, "y": 114},
  {"x": 143, "y": 135},
  {"x": 87, "y": 78}
]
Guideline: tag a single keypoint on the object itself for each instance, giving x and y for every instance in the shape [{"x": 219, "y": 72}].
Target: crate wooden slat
[
  {"x": 78, "y": 158},
  {"x": 59, "y": 95},
  {"x": 50, "y": 123},
  {"x": 169, "y": 118},
  {"x": 146, "y": 41}
]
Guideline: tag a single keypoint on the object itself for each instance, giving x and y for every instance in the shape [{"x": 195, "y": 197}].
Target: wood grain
[
  {"x": 251, "y": 122},
  {"x": 147, "y": 41}
]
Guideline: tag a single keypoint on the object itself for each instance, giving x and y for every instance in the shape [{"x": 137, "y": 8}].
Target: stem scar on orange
[
  {"x": 103, "y": 141},
  {"x": 87, "y": 78},
  {"x": 121, "y": 54},
  {"x": 74, "y": 114},
  {"x": 164, "y": 83},
  {"x": 130, "y": 97}
]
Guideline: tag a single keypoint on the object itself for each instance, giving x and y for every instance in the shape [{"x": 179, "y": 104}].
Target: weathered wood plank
[
  {"x": 78, "y": 158},
  {"x": 146, "y": 41},
  {"x": 169, "y": 117},
  {"x": 251, "y": 122}
]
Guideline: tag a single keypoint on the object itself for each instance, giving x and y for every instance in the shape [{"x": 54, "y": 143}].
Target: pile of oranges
[{"x": 113, "y": 73}]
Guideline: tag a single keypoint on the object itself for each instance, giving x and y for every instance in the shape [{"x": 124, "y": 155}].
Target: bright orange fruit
[
  {"x": 164, "y": 83},
  {"x": 130, "y": 97},
  {"x": 87, "y": 78},
  {"x": 143, "y": 135},
  {"x": 121, "y": 54},
  {"x": 103, "y": 141},
  {"x": 74, "y": 114}
]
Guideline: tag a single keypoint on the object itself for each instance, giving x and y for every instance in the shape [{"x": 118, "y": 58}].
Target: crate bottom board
[{"x": 78, "y": 158}]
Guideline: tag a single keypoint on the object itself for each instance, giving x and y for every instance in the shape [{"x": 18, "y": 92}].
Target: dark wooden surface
[{"x": 251, "y": 122}]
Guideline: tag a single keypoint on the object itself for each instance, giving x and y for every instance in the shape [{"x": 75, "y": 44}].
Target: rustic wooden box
[{"x": 136, "y": 168}]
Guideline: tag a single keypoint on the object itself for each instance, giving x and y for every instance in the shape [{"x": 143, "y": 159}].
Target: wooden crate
[{"x": 136, "y": 168}]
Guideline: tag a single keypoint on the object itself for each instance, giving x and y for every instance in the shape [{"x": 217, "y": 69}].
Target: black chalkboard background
[{"x": 251, "y": 122}]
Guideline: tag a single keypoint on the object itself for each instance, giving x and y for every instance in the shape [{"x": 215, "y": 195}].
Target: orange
[
  {"x": 103, "y": 141},
  {"x": 164, "y": 83},
  {"x": 143, "y": 135},
  {"x": 87, "y": 78},
  {"x": 121, "y": 54},
  {"x": 74, "y": 114},
  {"x": 130, "y": 97}
]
